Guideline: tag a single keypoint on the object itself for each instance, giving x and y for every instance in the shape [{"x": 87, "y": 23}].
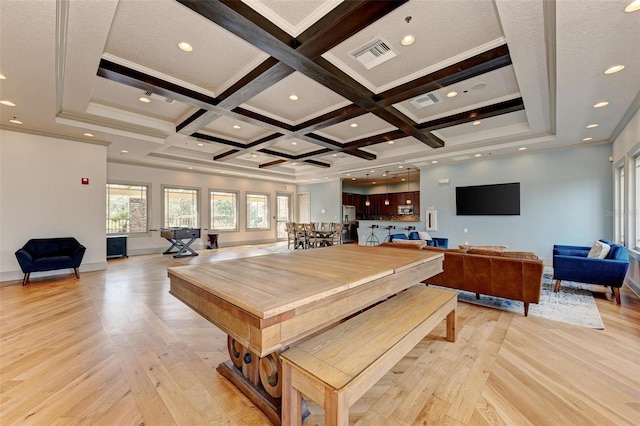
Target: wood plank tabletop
[{"x": 269, "y": 285}]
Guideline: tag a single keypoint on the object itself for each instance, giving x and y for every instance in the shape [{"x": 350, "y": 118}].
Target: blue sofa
[
  {"x": 48, "y": 254},
  {"x": 571, "y": 263}
]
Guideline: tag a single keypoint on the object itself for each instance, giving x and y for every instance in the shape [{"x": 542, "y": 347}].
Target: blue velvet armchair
[{"x": 571, "y": 263}]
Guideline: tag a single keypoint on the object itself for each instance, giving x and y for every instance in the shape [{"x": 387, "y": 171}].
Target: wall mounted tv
[{"x": 483, "y": 200}]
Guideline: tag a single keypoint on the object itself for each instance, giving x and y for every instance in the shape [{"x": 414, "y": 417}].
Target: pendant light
[
  {"x": 367, "y": 202},
  {"x": 386, "y": 198},
  {"x": 408, "y": 195}
]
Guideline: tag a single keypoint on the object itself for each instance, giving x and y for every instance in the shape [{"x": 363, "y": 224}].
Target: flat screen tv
[{"x": 483, "y": 200}]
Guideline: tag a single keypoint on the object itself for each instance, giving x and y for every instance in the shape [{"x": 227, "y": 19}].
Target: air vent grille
[
  {"x": 425, "y": 100},
  {"x": 374, "y": 53}
]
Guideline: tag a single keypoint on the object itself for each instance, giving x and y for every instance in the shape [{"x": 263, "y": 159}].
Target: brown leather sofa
[
  {"x": 511, "y": 275},
  {"x": 500, "y": 273}
]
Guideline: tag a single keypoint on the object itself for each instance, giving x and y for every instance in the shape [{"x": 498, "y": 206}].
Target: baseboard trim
[
  {"x": 85, "y": 267},
  {"x": 633, "y": 285}
]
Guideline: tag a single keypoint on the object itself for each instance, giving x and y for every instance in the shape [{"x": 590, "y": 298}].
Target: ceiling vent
[
  {"x": 157, "y": 97},
  {"x": 374, "y": 53},
  {"x": 425, "y": 100}
]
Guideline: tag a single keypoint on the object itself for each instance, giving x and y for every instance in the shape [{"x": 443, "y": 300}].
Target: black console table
[{"x": 116, "y": 246}]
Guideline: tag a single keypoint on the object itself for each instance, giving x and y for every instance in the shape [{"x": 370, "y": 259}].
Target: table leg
[{"x": 260, "y": 379}]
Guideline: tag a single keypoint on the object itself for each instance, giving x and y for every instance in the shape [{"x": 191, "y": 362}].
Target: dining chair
[{"x": 312, "y": 236}]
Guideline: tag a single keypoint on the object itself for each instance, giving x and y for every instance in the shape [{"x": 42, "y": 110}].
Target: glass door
[{"x": 283, "y": 215}]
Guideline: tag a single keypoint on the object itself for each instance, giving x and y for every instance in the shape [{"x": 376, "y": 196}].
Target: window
[
  {"x": 619, "y": 222},
  {"x": 180, "y": 207},
  {"x": 127, "y": 208},
  {"x": 224, "y": 211},
  {"x": 258, "y": 211},
  {"x": 636, "y": 202}
]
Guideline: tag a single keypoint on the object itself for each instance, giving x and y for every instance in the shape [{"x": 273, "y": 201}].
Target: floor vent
[
  {"x": 374, "y": 53},
  {"x": 425, "y": 100}
]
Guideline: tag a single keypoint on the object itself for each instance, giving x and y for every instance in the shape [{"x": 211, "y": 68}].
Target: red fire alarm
[{"x": 85, "y": 181}]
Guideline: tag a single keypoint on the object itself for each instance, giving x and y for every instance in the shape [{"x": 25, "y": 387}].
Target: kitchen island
[{"x": 381, "y": 234}]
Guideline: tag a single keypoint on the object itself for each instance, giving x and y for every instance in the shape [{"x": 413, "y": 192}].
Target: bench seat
[{"x": 338, "y": 366}]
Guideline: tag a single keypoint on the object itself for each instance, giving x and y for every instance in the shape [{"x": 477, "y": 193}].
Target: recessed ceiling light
[
  {"x": 403, "y": 179},
  {"x": 254, "y": 155},
  {"x": 2, "y": 77},
  {"x": 591, "y": 126},
  {"x": 7, "y": 103},
  {"x": 434, "y": 162},
  {"x": 89, "y": 135},
  {"x": 400, "y": 166},
  {"x": 452, "y": 94},
  {"x": 390, "y": 142},
  {"x": 235, "y": 126},
  {"x": 614, "y": 69},
  {"x": 408, "y": 40},
  {"x": 354, "y": 125},
  {"x": 294, "y": 143},
  {"x": 478, "y": 155},
  {"x": 524, "y": 148},
  {"x": 14, "y": 120},
  {"x": 373, "y": 171},
  {"x": 601, "y": 104},
  {"x": 633, "y": 6},
  {"x": 124, "y": 151},
  {"x": 144, "y": 99},
  {"x": 293, "y": 98},
  {"x": 185, "y": 47},
  {"x": 190, "y": 168},
  {"x": 200, "y": 144},
  {"x": 587, "y": 139},
  {"x": 334, "y": 155},
  {"x": 348, "y": 174},
  {"x": 477, "y": 122},
  {"x": 353, "y": 178}
]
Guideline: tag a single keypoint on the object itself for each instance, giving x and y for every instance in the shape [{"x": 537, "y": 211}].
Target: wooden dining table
[{"x": 265, "y": 304}]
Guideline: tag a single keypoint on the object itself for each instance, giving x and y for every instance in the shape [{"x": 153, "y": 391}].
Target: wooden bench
[{"x": 338, "y": 366}]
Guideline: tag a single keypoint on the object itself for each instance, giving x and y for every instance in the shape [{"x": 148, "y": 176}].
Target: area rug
[{"x": 572, "y": 304}]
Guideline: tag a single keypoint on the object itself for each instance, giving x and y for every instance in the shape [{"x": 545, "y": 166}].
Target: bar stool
[
  {"x": 373, "y": 240},
  {"x": 409, "y": 229},
  {"x": 389, "y": 228}
]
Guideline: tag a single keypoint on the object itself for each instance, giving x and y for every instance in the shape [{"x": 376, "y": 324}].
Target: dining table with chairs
[{"x": 312, "y": 235}]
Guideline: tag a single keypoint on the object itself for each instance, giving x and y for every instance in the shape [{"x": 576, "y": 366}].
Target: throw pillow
[
  {"x": 599, "y": 250},
  {"x": 423, "y": 235}
]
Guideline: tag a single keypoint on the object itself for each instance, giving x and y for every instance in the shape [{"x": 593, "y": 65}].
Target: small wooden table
[{"x": 267, "y": 303}]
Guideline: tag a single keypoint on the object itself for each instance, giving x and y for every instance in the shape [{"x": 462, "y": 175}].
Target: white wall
[
  {"x": 628, "y": 140},
  {"x": 152, "y": 242},
  {"x": 41, "y": 195},
  {"x": 565, "y": 198},
  {"x": 625, "y": 147},
  {"x": 326, "y": 200}
]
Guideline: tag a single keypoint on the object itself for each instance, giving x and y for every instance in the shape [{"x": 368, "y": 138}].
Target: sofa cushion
[
  {"x": 466, "y": 248},
  {"x": 519, "y": 255},
  {"x": 617, "y": 252},
  {"x": 486, "y": 251},
  {"x": 424, "y": 235},
  {"x": 599, "y": 250},
  {"x": 416, "y": 243}
]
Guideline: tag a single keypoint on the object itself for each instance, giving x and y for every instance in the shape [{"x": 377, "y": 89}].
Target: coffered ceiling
[{"x": 526, "y": 74}]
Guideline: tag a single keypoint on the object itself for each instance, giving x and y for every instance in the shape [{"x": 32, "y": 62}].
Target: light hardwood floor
[{"x": 115, "y": 348}]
